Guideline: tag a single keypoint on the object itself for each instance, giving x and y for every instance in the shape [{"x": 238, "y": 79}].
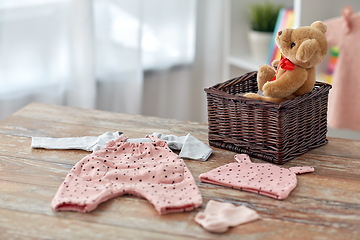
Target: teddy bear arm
[
  {"x": 275, "y": 63},
  {"x": 265, "y": 74},
  {"x": 286, "y": 84},
  {"x": 308, "y": 86}
]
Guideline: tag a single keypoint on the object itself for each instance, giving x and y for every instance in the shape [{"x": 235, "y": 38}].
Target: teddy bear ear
[
  {"x": 319, "y": 25},
  {"x": 306, "y": 50}
]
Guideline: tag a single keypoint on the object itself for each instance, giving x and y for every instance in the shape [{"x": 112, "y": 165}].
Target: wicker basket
[{"x": 273, "y": 132}]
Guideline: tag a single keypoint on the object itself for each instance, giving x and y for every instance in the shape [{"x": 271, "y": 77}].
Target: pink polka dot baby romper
[
  {"x": 150, "y": 170},
  {"x": 262, "y": 178}
]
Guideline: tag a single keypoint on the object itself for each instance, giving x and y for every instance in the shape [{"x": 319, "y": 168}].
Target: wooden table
[{"x": 324, "y": 205}]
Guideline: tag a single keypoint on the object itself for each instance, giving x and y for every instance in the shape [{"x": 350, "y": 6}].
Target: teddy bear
[{"x": 294, "y": 74}]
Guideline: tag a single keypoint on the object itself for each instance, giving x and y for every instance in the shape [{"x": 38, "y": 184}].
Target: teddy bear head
[{"x": 304, "y": 46}]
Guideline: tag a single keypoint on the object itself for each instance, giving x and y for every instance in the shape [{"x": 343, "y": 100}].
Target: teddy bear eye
[{"x": 292, "y": 45}]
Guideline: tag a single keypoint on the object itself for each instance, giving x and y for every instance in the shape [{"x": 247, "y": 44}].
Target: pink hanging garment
[
  {"x": 344, "y": 97},
  {"x": 150, "y": 170},
  {"x": 262, "y": 178}
]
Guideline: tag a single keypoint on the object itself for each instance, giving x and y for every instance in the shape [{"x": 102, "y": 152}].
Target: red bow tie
[{"x": 284, "y": 64}]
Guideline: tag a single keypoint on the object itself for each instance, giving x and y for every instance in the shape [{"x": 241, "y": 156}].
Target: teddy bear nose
[{"x": 279, "y": 33}]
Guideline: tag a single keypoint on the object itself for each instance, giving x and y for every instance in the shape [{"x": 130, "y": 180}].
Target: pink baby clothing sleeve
[
  {"x": 301, "y": 170},
  {"x": 149, "y": 170},
  {"x": 219, "y": 216},
  {"x": 261, "y": 178}
]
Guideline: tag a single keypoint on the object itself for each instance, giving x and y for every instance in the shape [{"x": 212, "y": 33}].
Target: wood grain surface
[{"x": 324, "y": 205}]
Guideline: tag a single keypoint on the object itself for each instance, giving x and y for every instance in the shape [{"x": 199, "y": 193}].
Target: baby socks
[{"x": 219, "y": 216}]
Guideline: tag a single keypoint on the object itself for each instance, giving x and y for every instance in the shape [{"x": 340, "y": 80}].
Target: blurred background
[{"x": 148, "y": 57}]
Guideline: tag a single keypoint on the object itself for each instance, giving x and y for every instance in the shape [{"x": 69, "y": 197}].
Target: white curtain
[
  {"x": 151, "y": 57},
  {"x": 46, "y": 54},
  {"x": 33, "y": 53}
]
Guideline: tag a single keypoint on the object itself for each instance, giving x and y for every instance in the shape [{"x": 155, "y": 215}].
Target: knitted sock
[{"x": 219, "y": 216}]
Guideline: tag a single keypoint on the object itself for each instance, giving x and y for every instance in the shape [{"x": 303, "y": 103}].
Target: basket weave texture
[{"x": 269, "y": 131}]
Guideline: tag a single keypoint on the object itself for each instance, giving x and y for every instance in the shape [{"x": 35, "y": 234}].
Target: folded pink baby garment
[
  {"x": 219, "y": 216},
  {"x": 262, "y": 178},
  {"x": 146, "y": 169}
]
